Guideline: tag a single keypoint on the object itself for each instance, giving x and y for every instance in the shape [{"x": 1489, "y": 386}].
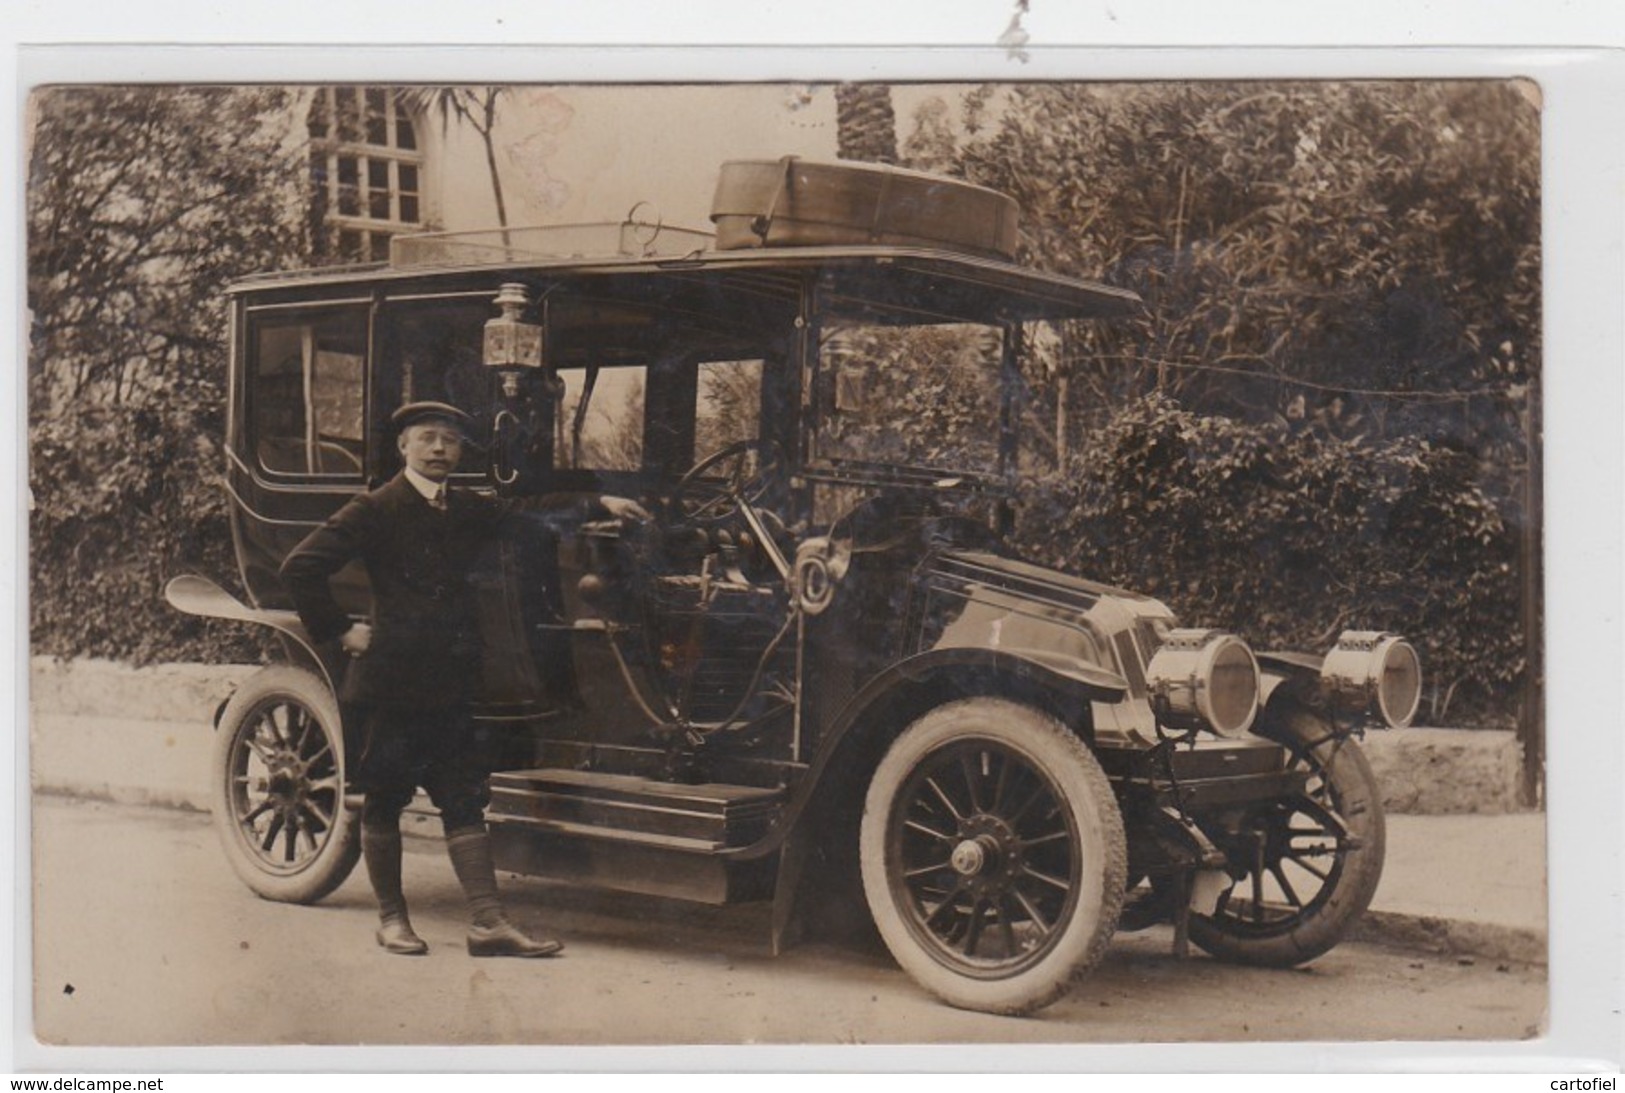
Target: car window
[
  {"x": 437, "y": 351},
  {"x": 920, "y": 396},
  {"x": 307, "y": 393},
  {"x": 727, "y": 405},
  {"x": 599, "y": 425}
]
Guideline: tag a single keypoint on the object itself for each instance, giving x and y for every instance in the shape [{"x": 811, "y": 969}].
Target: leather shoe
[
  {"x": 395, "y": 935},
  {"x": 504, "y": 939}
]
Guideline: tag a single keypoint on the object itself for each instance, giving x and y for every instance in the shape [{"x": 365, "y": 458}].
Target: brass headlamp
[
  {"x": 1204, "y": 679},
  {"x": 1375, "y": 674}
]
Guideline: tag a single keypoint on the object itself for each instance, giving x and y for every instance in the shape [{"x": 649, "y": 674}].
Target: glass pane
[
  {"x": 406, "y": 135},
  {"x": 349, "y": 110},
  {"x": 608, "y": 436},
  {"x": 925, "y": 397},
  {"x": 349, "y": 190},
  {"x": 350, "y": 245},
  {"x": 320, "y": 357},
  {"x": 438, "y": 354},
  {"x": 318, "y": 185},
  {"x": 378, "y": 173},
  {"x": 409, "y": 178},
  {"x": 336, "y": 400},
  {"x": 377, "y": 120},
  {"x": 409, "y": 209},
  {"x": 378, "y": 244},
  {"x": 728, "y": 407},
  {"x": 378, "y": 204},
  {"x": 278, "y": 399}
]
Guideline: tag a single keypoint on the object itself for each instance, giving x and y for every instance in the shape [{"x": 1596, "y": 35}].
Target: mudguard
[
  {"x": 1034, "y": 670},
  {"x": 1278, "y": 668},
  {"x": 193, "y": 595}
]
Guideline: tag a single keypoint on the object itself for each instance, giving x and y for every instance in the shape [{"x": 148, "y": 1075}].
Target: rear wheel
[
  {"x": 279, "y": 789},
  {"x": 992, "y": 855},
  {"x": 1303, "y": 869}
]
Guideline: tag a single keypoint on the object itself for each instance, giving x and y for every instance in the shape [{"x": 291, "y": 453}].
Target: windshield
[{"x": 922, "y": 397}]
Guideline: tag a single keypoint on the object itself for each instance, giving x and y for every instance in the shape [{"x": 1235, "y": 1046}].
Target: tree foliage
[
  {"x": 1340, "y": 278},
  {"x": 941, "y": 380},
  {"x": 1295, "y": 243},
  {"x": 866, "y": 123},
  {"x": 142, "y": 203},
  {"x": 1290, "y": 536}
]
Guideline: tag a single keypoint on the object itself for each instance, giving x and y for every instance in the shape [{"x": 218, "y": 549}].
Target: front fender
[
  {"x": 1046, "y": 668},
  {"x": 904, "y": 691},
  {"x": 1276, "y": 669},
  {"x": 822, "y": 816},
  {"x": 202, "y": 597}
]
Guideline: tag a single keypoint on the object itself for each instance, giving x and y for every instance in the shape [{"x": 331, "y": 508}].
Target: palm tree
[{"x": 475, "y": 106}]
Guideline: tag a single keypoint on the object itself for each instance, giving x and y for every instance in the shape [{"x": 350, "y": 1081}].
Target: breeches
[{"x": 440, "y": 749}]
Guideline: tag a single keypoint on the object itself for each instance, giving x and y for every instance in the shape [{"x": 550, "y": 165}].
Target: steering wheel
[{"x": 747, "y": 470}]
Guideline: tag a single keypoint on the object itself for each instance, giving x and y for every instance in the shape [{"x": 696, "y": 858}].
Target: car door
[{"x": 297, "y": 452}]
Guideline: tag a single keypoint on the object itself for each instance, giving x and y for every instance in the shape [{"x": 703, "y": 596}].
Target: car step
[{"x": 696, "y": 819}]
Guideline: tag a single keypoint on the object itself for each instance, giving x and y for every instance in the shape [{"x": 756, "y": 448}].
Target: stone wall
[
  {"x": 102, "y": 688},
  {"x": 1421, "y": 771},
  {"x": 1438, "y": 772}
]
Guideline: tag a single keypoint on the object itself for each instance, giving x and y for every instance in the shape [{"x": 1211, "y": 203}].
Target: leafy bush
[
  {"x": 1359, "y": 234},
  {"x": 1289, "y": 536},
  {"x": 125, "y": 498},
  {"x": 1342, "y": 284},
  {"x": 142, "y": 203}
]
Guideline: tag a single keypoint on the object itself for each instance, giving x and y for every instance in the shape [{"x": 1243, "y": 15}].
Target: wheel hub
[
  {"x": 970, "y": 857},
  {"x": 286, "y": 785},
  {"x": 987, "y": 857}
]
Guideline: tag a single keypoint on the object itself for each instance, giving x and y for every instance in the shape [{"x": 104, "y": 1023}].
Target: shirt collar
[{"x": 426, "y": 486}]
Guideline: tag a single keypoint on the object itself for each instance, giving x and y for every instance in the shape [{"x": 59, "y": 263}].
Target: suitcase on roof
[{"x": 793, "y": 202}]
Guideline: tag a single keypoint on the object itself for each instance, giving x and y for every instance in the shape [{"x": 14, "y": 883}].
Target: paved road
[{"x": 143, "y": 936}]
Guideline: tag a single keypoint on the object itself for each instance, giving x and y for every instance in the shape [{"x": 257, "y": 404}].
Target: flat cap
[{"x": 414, "y": 412}]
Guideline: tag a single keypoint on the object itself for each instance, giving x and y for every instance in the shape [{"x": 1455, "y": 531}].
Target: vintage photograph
[{"x": 842, "y": 563}]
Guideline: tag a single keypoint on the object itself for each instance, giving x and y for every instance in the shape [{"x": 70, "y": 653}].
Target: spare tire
[{"x": 792, "y": 202}]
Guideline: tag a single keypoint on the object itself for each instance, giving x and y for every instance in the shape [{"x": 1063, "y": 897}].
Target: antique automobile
[{"x": 805, "y": 667}]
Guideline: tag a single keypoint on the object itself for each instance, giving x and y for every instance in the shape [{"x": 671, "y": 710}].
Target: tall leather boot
[
  {"x": 381, "y": 850},
  {"x": 490, "y": 933}
]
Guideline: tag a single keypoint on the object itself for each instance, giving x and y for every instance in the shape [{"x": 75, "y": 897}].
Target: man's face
[{"x": 432, "y": 448}]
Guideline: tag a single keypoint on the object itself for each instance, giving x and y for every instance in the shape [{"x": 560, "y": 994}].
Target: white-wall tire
[
  {"x": 278, "y": 769},
  {"x": 1025, "y": 897}
]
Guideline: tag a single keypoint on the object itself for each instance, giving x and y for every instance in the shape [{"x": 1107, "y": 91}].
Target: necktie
[{"x": 439, "y": 498}]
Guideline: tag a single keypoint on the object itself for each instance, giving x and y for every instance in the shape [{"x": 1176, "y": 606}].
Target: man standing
[{"x": 411, "y": 677}]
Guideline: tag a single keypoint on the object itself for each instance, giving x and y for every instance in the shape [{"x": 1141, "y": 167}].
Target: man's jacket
[{"x": 425, "y": 645}]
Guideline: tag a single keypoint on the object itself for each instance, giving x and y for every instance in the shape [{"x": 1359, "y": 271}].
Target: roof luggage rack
[{"x": 629, "y": 238}]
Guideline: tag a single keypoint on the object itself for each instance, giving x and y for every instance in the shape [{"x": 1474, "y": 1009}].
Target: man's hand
[{"x": 356, "y": 639}]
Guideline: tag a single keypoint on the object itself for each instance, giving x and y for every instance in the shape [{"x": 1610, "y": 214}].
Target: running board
[{"x": 632, "y": 834}]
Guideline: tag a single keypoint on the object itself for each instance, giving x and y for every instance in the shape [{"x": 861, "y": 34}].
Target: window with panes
[{"x": 366, "y": 173}]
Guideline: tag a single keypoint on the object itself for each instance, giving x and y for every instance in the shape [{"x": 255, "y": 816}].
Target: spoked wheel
[
  {"x": 992, "y": 855},
  {"x": 1303, "y": 869},
  {"x": 279, "y": 802}
]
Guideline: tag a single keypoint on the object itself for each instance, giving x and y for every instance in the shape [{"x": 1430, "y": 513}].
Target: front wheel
[
  {"x": 1303, "y": 869},
  {"x": 992, "y": 855},
  {"x": 279, "y": 787}
]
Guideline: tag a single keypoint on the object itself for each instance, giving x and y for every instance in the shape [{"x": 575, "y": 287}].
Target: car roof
[{"x": 884, "y": 281}]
